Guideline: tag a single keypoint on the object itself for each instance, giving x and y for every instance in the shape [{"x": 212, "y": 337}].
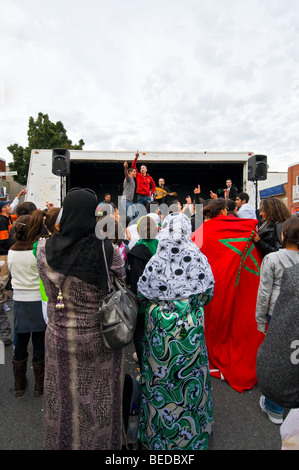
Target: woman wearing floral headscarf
[{"x": 176, "y": 406}]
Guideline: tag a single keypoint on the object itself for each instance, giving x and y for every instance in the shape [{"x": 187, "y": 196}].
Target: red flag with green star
[{"x": 230, "y": 326}]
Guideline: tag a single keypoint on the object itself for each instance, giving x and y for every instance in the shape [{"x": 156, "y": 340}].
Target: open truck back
[{"x": 103, "y": 172}]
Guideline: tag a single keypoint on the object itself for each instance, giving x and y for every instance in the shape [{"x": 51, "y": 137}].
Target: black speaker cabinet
[
  {"x": 257, "y": 168},
  {"x": 61, "y": 162}
]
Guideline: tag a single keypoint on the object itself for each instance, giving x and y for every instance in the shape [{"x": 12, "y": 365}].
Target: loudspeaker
[
  {"x": 257, "y": 168},
  {"x": 61, "y": 162}
]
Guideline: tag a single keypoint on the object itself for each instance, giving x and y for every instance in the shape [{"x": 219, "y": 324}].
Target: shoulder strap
[{"x": 107, "y": 270}]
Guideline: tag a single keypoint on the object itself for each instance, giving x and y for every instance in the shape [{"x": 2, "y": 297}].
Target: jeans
[
  {"x": 142, "y": 199},
  {"x": 130, "y": 208},
  {"x": 277, "y": 409}
]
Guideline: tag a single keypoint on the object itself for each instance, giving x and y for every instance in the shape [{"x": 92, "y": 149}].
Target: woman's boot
[
  {"x": 19, "y": 370},
  {"x": 38, "y": 368}
]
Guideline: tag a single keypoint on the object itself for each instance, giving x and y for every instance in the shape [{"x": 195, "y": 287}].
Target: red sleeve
[
  {"x": 153, "y": 186},
  {"x": 134, "y": 164}
]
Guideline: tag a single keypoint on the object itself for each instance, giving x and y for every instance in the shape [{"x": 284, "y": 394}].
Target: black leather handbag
[{"x": 118, "y": 313}]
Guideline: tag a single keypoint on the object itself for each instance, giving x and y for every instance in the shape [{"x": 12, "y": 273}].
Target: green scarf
[
  {"x": 41, "y": 285},
  {"x": 150, "y": 244}
]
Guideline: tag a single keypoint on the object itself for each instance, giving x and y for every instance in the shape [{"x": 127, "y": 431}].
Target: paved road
[{"x": 239, "y": 422}]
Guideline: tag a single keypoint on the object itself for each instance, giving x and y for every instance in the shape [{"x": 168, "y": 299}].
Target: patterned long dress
[
  {"x": 83, "y": 379},
  {"x": 176, "y": 404}
]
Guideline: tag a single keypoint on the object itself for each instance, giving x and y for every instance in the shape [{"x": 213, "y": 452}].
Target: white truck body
[{"x": 43, "y": 186}]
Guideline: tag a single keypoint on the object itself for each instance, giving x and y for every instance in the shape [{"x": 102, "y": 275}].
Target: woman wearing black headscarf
[{"x": 83, "y": 379}]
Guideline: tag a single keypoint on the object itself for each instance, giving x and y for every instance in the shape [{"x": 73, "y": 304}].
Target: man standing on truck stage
[
  {"x": 230, "y": 192},
  {"x": 128, "y": 192},
  {"x": 163, "y": 194},
  {"x": 145, "y": 183}
]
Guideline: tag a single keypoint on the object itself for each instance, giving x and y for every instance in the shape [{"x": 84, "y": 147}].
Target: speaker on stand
[
  {"x": 61, "y": 165},
  {"x": 257, "y": 171}
]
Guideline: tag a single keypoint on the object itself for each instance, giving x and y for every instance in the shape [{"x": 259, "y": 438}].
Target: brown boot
[
  {"x": 19, "y": 370},
  {"x": 38, "y": 368}
]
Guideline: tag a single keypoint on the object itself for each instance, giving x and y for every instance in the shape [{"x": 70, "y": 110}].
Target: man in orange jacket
[{"x": 6, "y": 221}]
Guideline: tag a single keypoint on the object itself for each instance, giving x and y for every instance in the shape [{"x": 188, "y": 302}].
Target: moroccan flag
[{"x": 230, "y": 326}]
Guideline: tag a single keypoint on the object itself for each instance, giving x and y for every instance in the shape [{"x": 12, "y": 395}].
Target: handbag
[{"x": 118, "y": 312}]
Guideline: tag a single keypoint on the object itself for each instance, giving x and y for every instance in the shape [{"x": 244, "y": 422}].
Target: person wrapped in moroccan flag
[{"x": 230, "y": 328}]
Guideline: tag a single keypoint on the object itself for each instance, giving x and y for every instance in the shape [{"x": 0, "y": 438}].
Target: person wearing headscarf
[
  {"x": 138, "y": 257},
  {"x": 133, "y": 232},
  {"x": 176, "y": 404},
  {"x": 83, "y": 379},
  {"x": 230, "y": 328}
]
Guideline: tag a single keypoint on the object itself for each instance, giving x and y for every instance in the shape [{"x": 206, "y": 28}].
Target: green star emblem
[{"x": 245, "y": 254}]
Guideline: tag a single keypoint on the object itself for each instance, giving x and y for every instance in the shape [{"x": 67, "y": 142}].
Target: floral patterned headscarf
[{"x": 178, "y": 269}]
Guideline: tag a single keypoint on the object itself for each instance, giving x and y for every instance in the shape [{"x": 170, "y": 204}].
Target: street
[{"x": 239, "y": 422}]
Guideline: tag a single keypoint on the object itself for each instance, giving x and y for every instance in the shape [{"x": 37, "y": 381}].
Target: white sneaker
[
  {"x": 270, "y": 414},
  {"x": 135, "y": 357}
]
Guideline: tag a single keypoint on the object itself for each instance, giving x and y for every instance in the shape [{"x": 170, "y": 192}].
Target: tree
[{"x": 42, "y": 134}]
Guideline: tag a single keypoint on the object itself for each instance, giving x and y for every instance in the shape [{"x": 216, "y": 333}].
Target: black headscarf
[{"x": 75, "y": 250}]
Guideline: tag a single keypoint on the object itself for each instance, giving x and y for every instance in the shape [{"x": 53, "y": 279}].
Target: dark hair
[
  {"x": 21, "y": 227},
  {"x": 199, "y": 200},
  {"x": 36, "y": 227},
  {"x": 147, "y": 228},
  {"x": 174, "y": 206},
  {"x": 50, "y": 219},
  {"x": 214, "y": 208},
  {"x": 107, "y": 209},
  {"x": 115, "y": 231},
  {"x": 243, "y": 196},
  {"x": 112, "y": 229},
  {"x": 290, "y": 231},
  {"x": 25, "y": 208},
  {"x": 275, "y": 210},
  {"x": 231, "y": 205},
  {"x": 128, "y": 220}
]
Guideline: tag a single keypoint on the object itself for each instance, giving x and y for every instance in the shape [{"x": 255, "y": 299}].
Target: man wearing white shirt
[{"x": 245, "y": 210}]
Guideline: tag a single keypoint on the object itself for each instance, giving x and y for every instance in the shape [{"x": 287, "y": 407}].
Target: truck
[{"x": 103, "y": 172}]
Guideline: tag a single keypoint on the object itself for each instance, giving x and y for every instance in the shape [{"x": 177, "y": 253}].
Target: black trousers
[{"x": 38, "y": 343}]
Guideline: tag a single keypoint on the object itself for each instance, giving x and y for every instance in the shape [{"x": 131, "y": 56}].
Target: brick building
[{"x": 293, "y": 189}]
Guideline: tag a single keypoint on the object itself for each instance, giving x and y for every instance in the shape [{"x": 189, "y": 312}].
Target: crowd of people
[{"x": 206, "y": 293}]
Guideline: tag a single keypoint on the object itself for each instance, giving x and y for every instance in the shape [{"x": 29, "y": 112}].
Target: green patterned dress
[{"x": 176, "y": 404}]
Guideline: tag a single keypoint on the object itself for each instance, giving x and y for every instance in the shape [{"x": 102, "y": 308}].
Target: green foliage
[
  {"x": 42, "y": 134},
  {"x": 21, "y": 158}
]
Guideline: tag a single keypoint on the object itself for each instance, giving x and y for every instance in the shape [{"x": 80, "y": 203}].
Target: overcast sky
[{"x": 154, "y": 75}]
